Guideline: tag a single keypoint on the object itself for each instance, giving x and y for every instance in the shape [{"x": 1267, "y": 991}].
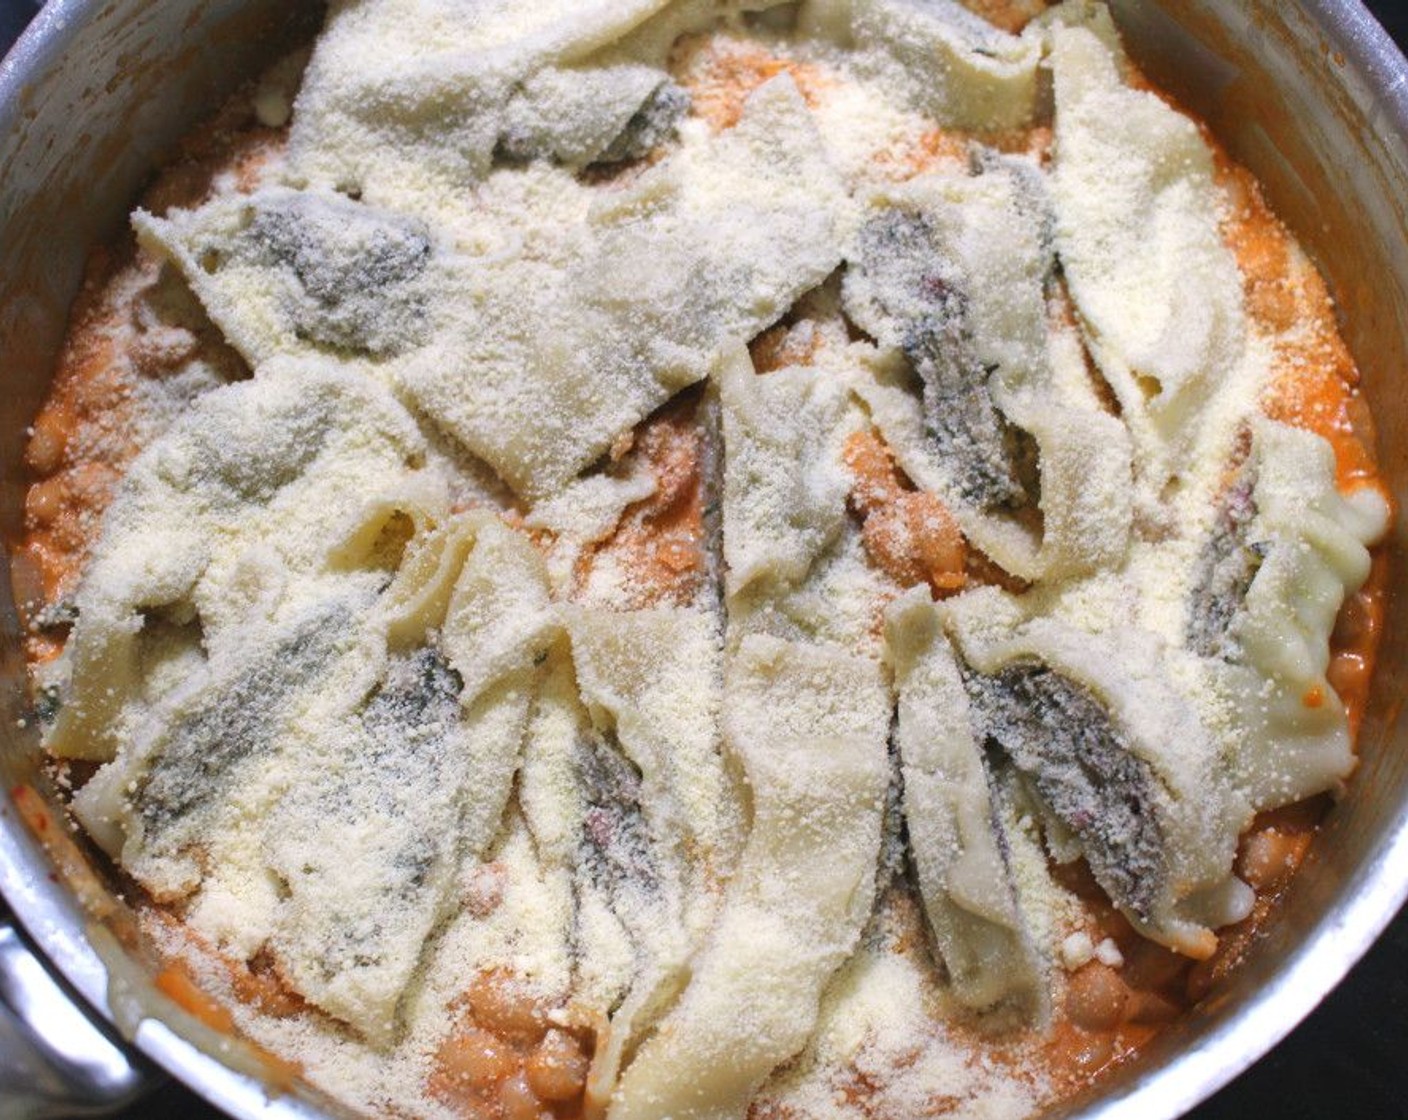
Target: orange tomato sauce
[
  {"x": 176, "y": 983},
  {"x": 661, "y": 542},
  {"x": 720, "y": 72},
  {"x": 908, "y": 534},
  {"x": 1010, "y": 15}
]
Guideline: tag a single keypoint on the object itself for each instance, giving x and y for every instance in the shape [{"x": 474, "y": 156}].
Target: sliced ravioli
[
  {"x": 185, "y": 774},
  {"x": 1157, "y": 290},
  {"x": 412, "y": 97},
  {"x": 537, "y": 357},
  {"x": 655, "y": 677},
  {"x": 660, "y": 822},
  {"x": 1118, "y": 753},
  {"x": 699, "y": 255},
  {"x": 412, "y": 777},
  {"x": 784, "y": 499},
  {"x": 247, "y": 497},
  {"x": 808, "y": 724},
  {"x": 949, "y": 272},
  {"x": 945, "y": 61},
  {"x": 1310, "y": 545},
  {"x": 795, "y": 561},
  {"x": 289, "y": 272},
  {"x": 487, "y": 83},
  {"x": 563, "y": 777},
  {"x": 956, "y": 833},
  {"x": 319, "y": 791},
  {"x": 625, "y": 791},
  {"x": 367, "y": 852}
]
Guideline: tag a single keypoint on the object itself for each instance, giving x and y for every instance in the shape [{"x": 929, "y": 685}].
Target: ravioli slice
[
  {"x": 303, "y": 272},
  {"x": 406, "y": 100},
  {"x": 654, "y": 676},
  {"x": 796, "y": 565},
  {"x": 411, "y": 778},
  {"x": 1158, "y": 292},
  {"x": 945, "y": 61},
  {"x": 1118, "y": 753},
  {"x": 534, "y": 361},
  {"x": 660, "y": 821},
  {"x": 543, "y": 367},
  {"x": 412, "y": 105},
  {"x": 784, "y": 499},
  {"x": 950, "y": 271},
  {"x": 625, "y": 792},
  {"x": 1308, "y": 549},
  {"x": 368, "y": 851},
  {"x": 185, "y": 774},
  {"x": 368, "y": 846},
  {"x": 218, "y": 522},
  {"x": 808, "y": 724},
  {"x": 315, "y": 792},
  {"x": 956, "y": 833},
  {"x": 444, "y": 733}
]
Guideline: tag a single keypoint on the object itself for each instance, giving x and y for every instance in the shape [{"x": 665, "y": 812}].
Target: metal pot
[{"x": 1311, "y": 95}]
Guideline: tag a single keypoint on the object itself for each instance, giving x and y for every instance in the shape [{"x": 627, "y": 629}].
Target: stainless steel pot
[{"x": 1311, "y": 95}]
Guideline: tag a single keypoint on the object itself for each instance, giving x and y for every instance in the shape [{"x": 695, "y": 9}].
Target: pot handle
[{"x": 55, "y": 1061}]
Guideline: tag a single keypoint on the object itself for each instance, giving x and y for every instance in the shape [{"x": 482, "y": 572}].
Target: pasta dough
[
  {"x": 807, "y": 725},
  {"x": 954, "y": 832},
  {"x": 950, "y": 271},
  {"x": 1311, "y": 542},
  {"x": 1142, "y": 785},
  {"x": 1136, "y": 228}
]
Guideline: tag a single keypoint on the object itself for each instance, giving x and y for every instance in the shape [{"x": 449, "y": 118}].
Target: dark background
[{"x": 1348, "y": 1061}]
